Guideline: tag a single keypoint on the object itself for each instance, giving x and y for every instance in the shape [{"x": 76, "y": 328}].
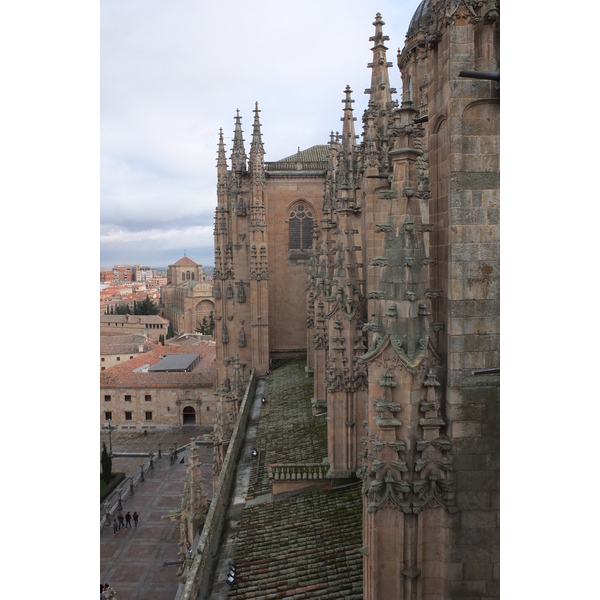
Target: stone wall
[
  {"x": 475, "y": 535},
  {"x": 199, "y": 576},
  {"x": 165, "y": 404}
]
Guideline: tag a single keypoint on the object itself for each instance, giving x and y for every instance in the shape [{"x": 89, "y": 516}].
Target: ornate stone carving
[
  {"x": 241, "y": 292},
  {"x": 242, "y": 338}
]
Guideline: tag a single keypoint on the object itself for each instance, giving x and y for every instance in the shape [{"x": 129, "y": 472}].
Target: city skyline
[{"x": 172, "y": 75}]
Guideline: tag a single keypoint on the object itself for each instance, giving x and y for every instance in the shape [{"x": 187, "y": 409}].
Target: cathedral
[{"x": 375, "y": 256}]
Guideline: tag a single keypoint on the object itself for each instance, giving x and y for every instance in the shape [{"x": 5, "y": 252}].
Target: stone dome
[{"x": 422, "y": 17}]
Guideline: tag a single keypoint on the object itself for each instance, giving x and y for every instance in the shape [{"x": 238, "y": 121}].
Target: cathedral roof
[
  {"x": 314, "y": 153},
  {"x": 185, "y": 262}
]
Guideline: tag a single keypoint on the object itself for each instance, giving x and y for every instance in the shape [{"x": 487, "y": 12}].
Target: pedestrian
[
  {"x": 115, "y": 527},
  {"x": 121, "y": 522},
  {"x": 135, "y": 518},
  {"x": 127, "y": 520}
]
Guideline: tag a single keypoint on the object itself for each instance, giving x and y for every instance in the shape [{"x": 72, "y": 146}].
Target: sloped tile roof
[
  {"x": 305, "y": 545},
  {"x": 185, "y": 262},
  {"x": 123, "y": 375},
  {"x": 314, "y": 153},
  {"x": 133, "y": 319},
  {"x": 122, "y": 343},
  {"x": 301, "y": 545}
]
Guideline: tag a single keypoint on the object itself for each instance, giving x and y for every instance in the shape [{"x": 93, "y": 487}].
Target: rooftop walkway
[{"x": 302, "y": 545}]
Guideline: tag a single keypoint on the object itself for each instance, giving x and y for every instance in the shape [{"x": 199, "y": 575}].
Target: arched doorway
[{"x": 189, "y": 415}]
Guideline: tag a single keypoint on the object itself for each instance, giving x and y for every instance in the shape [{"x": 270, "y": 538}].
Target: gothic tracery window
[{"x": 301, "y": 227}]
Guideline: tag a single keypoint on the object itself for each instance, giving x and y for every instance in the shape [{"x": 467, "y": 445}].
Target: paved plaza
[{"x": 132, "y": 561}]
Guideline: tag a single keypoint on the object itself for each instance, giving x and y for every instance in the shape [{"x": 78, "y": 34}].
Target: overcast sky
[{"x": 173, "y": 73}]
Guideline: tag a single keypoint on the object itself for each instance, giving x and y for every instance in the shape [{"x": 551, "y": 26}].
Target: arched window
[
  {"x": 301, "y": 227},
  {"x": 183, "y": 277},
  {"x": 193, "y": 276},
  {"x": 187, "y": 274}
]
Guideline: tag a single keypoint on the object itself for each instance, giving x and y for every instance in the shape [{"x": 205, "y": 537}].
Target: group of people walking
[{"x": 121, "y": 521}]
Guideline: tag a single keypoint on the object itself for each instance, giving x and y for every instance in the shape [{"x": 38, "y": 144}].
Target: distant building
[
  {"x": 107, "y": 276},
  {"x": 118, "y": 348},
  {"x": 157, "y": 281},
  {"x": 118, "y": 295},
  {"x": 187, "y": 298},
  {"x": 168, "y": 386},
  {"x": 149, "y": 325},
  {"x": 123, "y": 274}
]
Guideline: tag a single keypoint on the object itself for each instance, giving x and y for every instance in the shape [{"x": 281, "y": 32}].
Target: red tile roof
[
  {"x": 123, "y": 375},
  {"x": 185, "y": 262}
]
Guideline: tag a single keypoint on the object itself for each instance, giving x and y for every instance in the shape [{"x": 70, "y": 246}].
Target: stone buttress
[{"x": 240, "y": 277}]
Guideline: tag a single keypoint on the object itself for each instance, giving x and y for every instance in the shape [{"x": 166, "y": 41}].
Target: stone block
[
  {"x": 476, "y": 481},
  {"x": 474, "y": 308},
  {"x": 490, "y": 252},
  {"x": 470, "y": 145},
  {"x": 469, "y": 326},
  {"x": 490, "y": 198},
  {"x": 468, "y": 589},
  {"x": 489, "y": 234},
  {"x": 465, "y": 429},
  {"x": 490, "y": 144},
  {"x": 470, "y": 553},
  {"x": 479, "y": 518},
  {"x": 493, "y": 216},
  {"x": 495, "y": 500},
  {"x": 492, "y": 589},
  {"x": 476, "y": 181},
  {"x": 478, "y": 500},
  {"x": 484, "y": 445},
  {"x": 454, "y": 571},
  {"x": 475, "y": 462},
  {"x": 478, "y": 537},
  {"x": 478, "y": 571}
]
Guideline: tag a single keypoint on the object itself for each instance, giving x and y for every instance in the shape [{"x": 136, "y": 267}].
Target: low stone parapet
[{"x": 294, "y": 477}]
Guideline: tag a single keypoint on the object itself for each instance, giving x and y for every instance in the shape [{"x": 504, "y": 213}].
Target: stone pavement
[{"x": 132, "y": 561}]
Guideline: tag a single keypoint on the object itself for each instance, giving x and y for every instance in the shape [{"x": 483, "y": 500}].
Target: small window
[
  {"x": 108, "y": 415},
  {"x": 102, "y": 359},
  {"x": 102, "y": 368},
  {"x": 128, "y": 416},
  {"x": 118, "y": 359},
  {"x": 107, "y": 398},
  {"x": 131, "y": 357},
  {"x": 148, "y": 415},
  {"x": 127, "y": 398},
  {"x": 147, "y": 397}
]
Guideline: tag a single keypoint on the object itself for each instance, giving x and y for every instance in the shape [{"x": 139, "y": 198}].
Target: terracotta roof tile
[
  {"x": 123, "y": 375},
  {"x": 185, "y": 262},
  {"x": 314, "y": 153}
]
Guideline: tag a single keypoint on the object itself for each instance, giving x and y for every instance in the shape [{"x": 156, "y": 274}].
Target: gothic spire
[
  {"x": 221, "y": 159},
  {"x": 348, "y": 135},
  {"x": 380, "y": 91},
  {"x": 238, "y": 153},
  {"x": 256, "y": 145}
]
